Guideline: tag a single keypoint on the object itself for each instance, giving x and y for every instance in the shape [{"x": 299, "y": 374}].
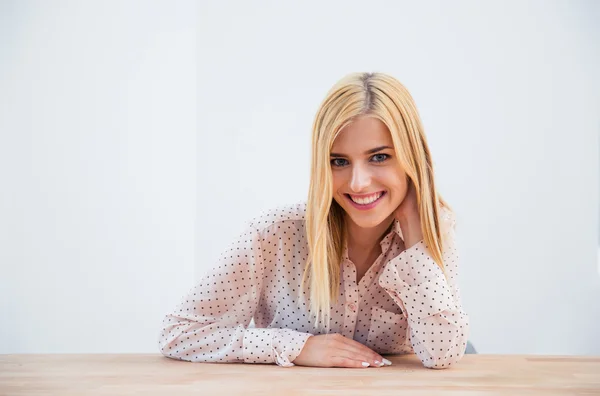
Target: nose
[{"x": 361, "y": 178}]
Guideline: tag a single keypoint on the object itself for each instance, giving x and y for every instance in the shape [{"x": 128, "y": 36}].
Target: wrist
[
  {"x": 411, "y": 230},
  {"x": 406, "y": 220}
]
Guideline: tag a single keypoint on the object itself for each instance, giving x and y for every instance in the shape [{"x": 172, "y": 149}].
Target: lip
[{"x": 365, "y": 207}]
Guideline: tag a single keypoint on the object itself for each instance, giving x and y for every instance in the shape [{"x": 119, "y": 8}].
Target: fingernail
[
  {"x": 365, "y": 364},
  {"x": 387, "y": 362}
]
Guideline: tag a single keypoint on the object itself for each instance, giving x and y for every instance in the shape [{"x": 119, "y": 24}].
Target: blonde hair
[{"x": 383, "y": 97}]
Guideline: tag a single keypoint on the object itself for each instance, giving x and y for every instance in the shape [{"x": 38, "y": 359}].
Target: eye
[
  {"x": 337, "y": 162},
  {"x": 380, "y": 157}
]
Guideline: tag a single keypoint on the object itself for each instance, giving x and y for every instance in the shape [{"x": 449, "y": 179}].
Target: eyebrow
[{"x": 371, "y": 151}]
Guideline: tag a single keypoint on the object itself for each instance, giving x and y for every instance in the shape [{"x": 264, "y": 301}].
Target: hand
[
  {"x": 408, "y": 208},
  {"x": 407, "y": 215},
  {"x": 335, "y": 350}
]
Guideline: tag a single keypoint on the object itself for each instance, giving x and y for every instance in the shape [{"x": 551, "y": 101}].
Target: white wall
[
  {"x": 97, "y": 172},
  {"x": 509, "y": 94}
]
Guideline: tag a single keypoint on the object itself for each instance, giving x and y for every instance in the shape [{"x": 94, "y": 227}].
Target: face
[{"x": 368, "y": 182}]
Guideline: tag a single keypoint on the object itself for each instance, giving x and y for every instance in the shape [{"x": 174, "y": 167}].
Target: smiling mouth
[{"x": 366, "y": 200}]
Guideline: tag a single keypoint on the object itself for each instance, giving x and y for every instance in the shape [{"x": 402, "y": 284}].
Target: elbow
[
  {"x": 163, "y": 346},
  {"x": 170, "y": 338},
  {"x": 173, "y": 348},
  {"x": 445, "y": 351},
  {"x": 450, "y": 355},
  {"x": 166, "y": 343},
  {"x": 442, "y": 363},
  {"x": 167, "y": 353},
  {"x": 179, "y": 340}
]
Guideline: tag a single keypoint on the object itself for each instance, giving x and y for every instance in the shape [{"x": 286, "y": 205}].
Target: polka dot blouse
[{"x": 403, "y": 304}]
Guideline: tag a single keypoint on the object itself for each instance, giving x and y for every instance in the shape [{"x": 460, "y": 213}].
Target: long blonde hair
[{"x": 384, "y": 97}]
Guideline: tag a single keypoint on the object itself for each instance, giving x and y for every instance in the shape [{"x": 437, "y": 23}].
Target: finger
[
  {"x": 369, "y": 356},
  {"x": 361, "y": 351},
  {"x": 353, "y": 355},
  {"x": 347, "y": 351},
  {"x": 341, "y": 361}
]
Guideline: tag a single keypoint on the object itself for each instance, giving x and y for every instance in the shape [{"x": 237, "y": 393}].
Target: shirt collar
[
  {"x": 388, "y": 239},
  {"x": 385, "y": 242}
]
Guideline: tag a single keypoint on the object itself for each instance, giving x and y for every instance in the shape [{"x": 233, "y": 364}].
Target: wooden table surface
[{"x": 157, "y": 375}]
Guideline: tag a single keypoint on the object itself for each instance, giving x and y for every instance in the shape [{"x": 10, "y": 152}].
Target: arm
[
  {"x": 211, "y": 323},
  {"x": 439, "y": 328}
]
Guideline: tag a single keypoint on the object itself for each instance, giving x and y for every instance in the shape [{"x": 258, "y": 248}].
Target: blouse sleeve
[
  {"x": 439, "y": 328},
  {"x": 211, "y": 322}
]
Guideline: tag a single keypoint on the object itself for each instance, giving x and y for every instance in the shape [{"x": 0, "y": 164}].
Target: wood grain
[{"x": 157, "y": 375}]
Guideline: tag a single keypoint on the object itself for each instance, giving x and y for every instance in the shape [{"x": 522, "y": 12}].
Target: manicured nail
[
  {"x": 365, "y": 364},
  {"x": 387, "y": 362},
  {"x": 378, "y": 363}
]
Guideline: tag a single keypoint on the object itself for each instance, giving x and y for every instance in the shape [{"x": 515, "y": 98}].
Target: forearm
[
  {"x": 438, "y": 327},
  {"x": 200, "y": 339},
  {"x": 429, "y": 298}
]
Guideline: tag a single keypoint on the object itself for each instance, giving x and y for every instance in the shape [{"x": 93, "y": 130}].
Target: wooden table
[{"x": 157, "y": 375}]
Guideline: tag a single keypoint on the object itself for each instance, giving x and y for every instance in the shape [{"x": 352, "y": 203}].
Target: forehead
[{"x": 362, "y": 134}]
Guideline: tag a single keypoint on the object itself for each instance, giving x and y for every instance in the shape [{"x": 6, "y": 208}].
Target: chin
[
  {"x": 362, "y": 223},
  {"x": 368, "y": 221}
]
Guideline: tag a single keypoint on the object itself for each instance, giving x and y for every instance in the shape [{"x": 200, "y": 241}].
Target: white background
[
  {"x": 137, "y": 138},
  {"x": 97, "y": 171}
]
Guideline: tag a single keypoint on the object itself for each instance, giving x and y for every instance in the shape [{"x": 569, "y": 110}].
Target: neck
[{"x": 366, "y": 239}]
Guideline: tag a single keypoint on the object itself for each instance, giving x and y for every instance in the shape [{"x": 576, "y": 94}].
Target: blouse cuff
[
  {"x": 287, "y": 345},
  {"x": 280, "y": 346}
]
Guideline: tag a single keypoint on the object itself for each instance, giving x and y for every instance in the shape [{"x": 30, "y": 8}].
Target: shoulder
[
  {"x": 278, "y": 215},
  {"x": 446, "y": 214},
  {"x": 447, "y": 219}
]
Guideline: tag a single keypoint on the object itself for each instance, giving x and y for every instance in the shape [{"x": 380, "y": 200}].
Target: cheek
[
  {"x": 337, "y": 180},
  {"x": 397, "y": 184},
  {"x": 336, "y": 183},
  {"x": 403, "y": 186}
]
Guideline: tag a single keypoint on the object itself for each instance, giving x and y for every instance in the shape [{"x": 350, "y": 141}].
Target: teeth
[{"x": 368, "y": 200}]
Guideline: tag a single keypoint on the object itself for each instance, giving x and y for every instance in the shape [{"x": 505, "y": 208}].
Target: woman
[{"x": 367, "y": 266}]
